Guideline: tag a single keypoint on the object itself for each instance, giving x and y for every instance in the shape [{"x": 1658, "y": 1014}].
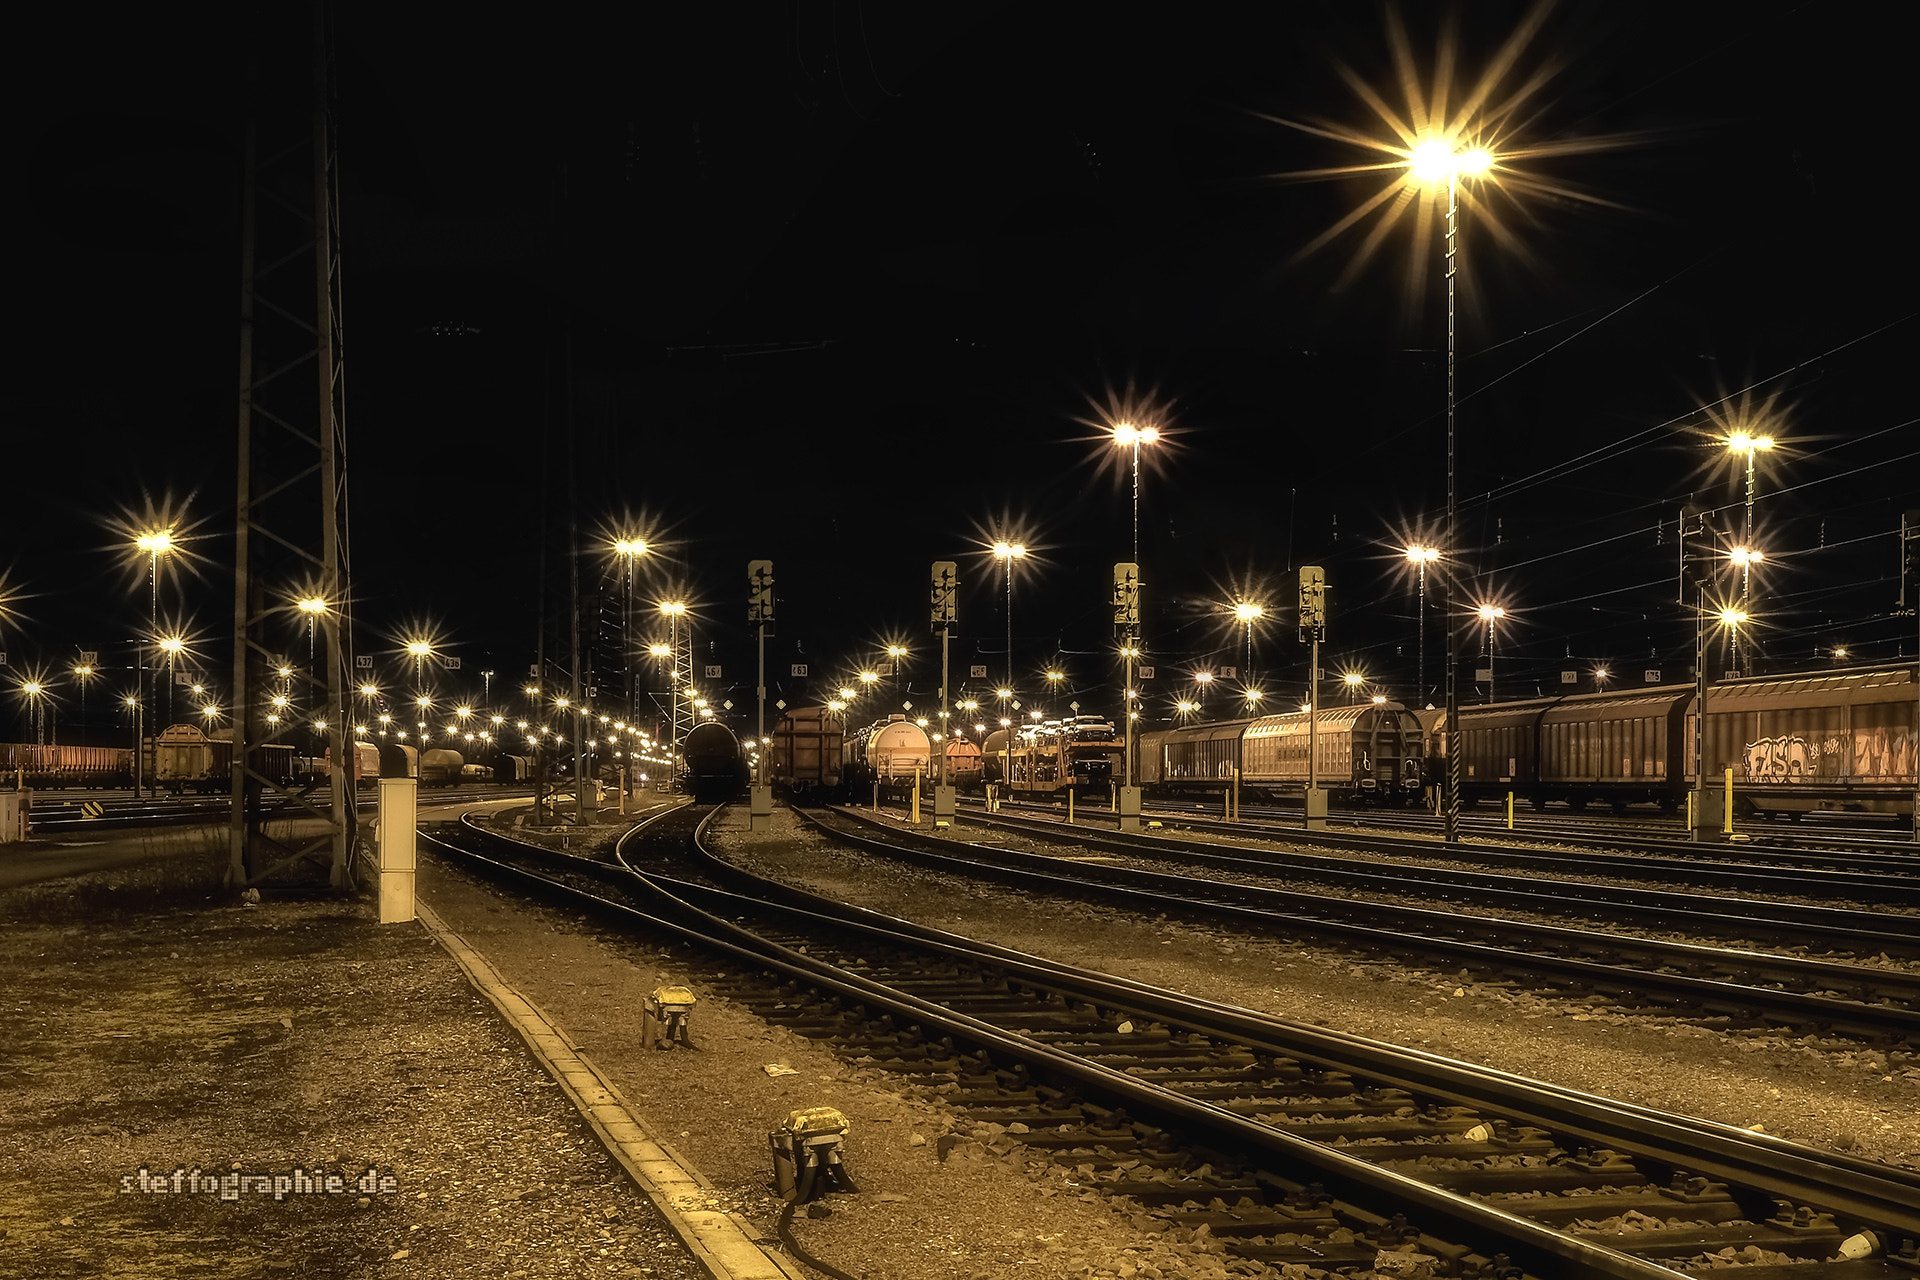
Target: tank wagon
[
  {"x": 716, "y": 766},
  {"x": 807, "y": 753},
  {"x": 1370, "y": 754},
  {"x": 888, "y": 753},
  {"x": 1832, "y": 741}
]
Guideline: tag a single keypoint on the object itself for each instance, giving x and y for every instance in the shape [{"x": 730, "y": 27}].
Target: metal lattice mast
[
  {"x": 683, "y": 690},
  {"x": 291, "y": 443}
]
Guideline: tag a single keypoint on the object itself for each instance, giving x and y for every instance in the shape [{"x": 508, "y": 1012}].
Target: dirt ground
[{"x": 148, "y": 1024}]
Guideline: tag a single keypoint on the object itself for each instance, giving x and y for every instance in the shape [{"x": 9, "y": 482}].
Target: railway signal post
[
  {"x": 946, "y": 580},
  {"x": 760, "y": 614},
  {"x": 1313, "y": 629},
  {"x": 1126, "y": 616}
]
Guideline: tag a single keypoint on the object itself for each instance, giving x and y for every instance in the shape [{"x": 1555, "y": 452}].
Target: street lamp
[
  {"x": 897, "y": 654},
  {"x": 156, "y": 543},
  {"x": 82, "y": 674},
  {"x": 172, "y": 646},
  {"x": 1353, "y": 680},
  {"x": 33, "y": 690},
  {"x": 629, "y": 550},
  {"x": 1248, "y": 613},
  {"x": 1490, "y": 614},
  {"x": 1434, "y": 160},
  {"x": 1420, "y": 557},
  {"x": 1008, "y": 552}
]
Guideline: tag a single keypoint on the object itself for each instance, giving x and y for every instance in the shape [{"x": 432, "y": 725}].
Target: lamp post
[
  {"x": 1247, "y": 613},
  {"x": 32, "y": 691},
  {"x": 82, "y": 675},
  {"x": 155, "y": 543},
  {"x": 1007, "y": 553},
  {"x": 1745, "y": 444},
  {"x": 172, "y": 646},
  {"x": 1421, "y": 557},
  {"x": 629, "y": 550},
  {"x": 1490, "y": 614},
  {"x": 1131, "y": 437},
  {"x": 1353, "y": 680},
  {"x": 1745, "y": 557},
  {"x": 1433, "y": 161}
]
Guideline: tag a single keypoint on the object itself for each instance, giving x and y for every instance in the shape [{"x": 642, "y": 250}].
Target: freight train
[
  {"x": 1084, "y": 755},
  {"x": 1836, "y": 741},
  {"x": 1371, "y": 755}
]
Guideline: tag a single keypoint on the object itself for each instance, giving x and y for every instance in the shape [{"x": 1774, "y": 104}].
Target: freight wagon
[
  {"x": 43, "y": 767},
  {"x": 1367, "y": 754},
  {"x": 1083, "y": 755},
  {"x": 1834, "y": 741},
  {"x": 808, "y": 746}
]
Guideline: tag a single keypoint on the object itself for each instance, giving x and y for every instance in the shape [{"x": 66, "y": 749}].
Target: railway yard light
[
  {"x": 1353, "y": 680},
  {"x": 1490, "y": 614},
  {"x": 1253, "y": 697},
  {"x": 1420, "y": 557},
  {"x": 1007, "y": 553}
]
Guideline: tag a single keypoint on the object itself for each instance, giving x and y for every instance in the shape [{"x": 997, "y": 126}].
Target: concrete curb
[{"x": 724, "y": 1243}]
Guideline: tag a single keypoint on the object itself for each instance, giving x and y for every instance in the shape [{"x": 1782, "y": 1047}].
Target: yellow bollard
[
  {"x": 1069, "y": 806},
  {"x": 1509, "y": 810},
  {"x": 916, "y": 797},
  {"x": 1236, "y": 793},
  {"x": 1728, "y": 804}
]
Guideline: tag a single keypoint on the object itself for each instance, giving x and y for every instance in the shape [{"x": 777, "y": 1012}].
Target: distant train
[
  {"x": 715, "y": 764},
  {"x": 42, "y": 767},
  {"x": 815, "y": 757},
  {"x": 1371, "y": 754},
  {"x": 1084, "y": 755},
  {"x": 1835, "y": 741}
]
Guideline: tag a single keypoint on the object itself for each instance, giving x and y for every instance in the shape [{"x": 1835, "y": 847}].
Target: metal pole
[
  {"x": 760, "y": 692},
  {"x": 1313, "y": 729},
  {"x": 1700, "y": 711},
  {"x": 1452, "y": 735},
  {"x": 1133, "y": 641},
  {"x": 1420, "y": 693},
  {"x": 946, "y": 721}
]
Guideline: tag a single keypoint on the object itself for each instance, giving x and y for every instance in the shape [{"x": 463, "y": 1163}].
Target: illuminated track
[{"x": 1179, "y": 1103}]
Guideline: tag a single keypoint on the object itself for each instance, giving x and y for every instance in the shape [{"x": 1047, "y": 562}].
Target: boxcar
[
  {"x": 1836, "y": 742},
  {"x": 807, "y": 748}
]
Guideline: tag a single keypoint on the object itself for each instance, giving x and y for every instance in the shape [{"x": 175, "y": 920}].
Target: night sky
[{"x": 857, "y": 287}]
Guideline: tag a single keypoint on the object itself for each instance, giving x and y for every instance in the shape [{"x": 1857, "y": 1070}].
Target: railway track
[
  {"x": 1891, "y": 843},
  {"x": 66, "y": 817},
  {"x": 1744, "y": 866},
  {"x": 1739, "y": 987},
  {"x": 1294, "y": 1145}
]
